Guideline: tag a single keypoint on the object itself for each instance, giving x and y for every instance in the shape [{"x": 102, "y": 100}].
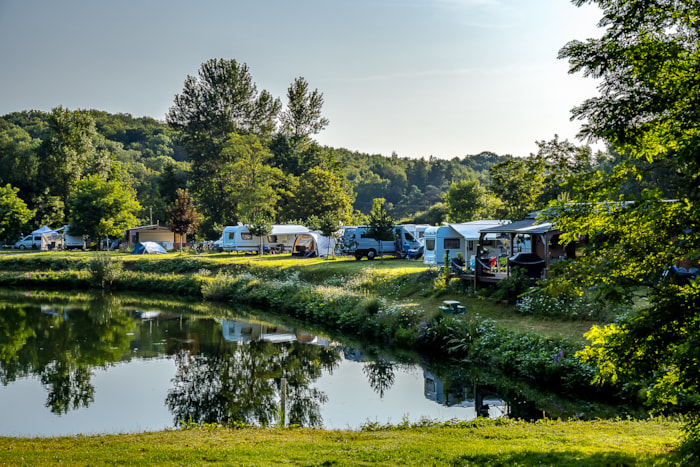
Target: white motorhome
[
  {"x": 72, "y": 241},
  {"x": 366, "y": 246},
  {"x": 281, "y": 238},
  {"x": 455, "y": 238},
  {"x": 417, "y": 230}
]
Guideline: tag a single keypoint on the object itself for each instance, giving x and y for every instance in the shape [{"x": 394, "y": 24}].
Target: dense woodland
[{"x": 43, "y": 155}]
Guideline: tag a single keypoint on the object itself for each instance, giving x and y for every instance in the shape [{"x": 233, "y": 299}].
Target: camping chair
[{"x": 415, "y": 253}]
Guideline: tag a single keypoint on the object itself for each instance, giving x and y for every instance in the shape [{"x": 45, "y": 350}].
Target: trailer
[
  {"x": 281, "y": 238},
  {"x": 453, "y": 239}
]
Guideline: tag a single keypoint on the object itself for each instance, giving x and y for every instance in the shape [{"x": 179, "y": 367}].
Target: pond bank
[{"x": 390, "y": 302}]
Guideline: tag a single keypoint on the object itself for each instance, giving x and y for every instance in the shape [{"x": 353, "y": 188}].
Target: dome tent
[
  {"x": 143, "y": 248},
  {"x": 312, "y": 244}
]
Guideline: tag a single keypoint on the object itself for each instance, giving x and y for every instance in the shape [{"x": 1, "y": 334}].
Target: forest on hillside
[
  {"x": 238, "y": 155},
  {"x": 153, "y": 162}
]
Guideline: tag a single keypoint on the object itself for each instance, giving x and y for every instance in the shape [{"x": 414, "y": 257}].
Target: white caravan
[
  {"x": 281, "y": 238},
  {"x": 456, "y": 238}
]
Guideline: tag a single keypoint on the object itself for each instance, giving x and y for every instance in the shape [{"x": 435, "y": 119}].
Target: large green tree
[
  {"x": 648, "y": 65},
  {"x": 518, "y": 183},
  {"x": 302, "y": 117},
  {"x": 255, "y": 183},
  {"x": 70, "y": 151},
  {"x": 320, "y": 192},
  {"x": 221, "y": 101},
  {"x": 102, "y": 208},
  {"x": 14, "y": 214},
  {"x": 467, "y": 200}
]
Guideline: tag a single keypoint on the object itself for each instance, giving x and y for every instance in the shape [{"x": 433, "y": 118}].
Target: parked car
[
  {"x": 218, "y": 245},
  {"x": 28, "y": 241}
]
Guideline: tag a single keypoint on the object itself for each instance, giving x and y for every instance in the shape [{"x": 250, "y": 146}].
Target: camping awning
[
  {"x": 470, "y": 230},
  {"x": 288, "y": 229}
]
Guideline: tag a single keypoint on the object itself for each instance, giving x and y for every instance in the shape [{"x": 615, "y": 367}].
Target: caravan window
[
  {"x": 408, "y": 237},
  {"x": 470, "y": 245},
  {"x": 246, "y": 236},
  {"x": 272, "y": 238},
  {"x": 232, "y": 235},
  {"x": 452, "y": 244},
  {"x": 430, "y": 244}
]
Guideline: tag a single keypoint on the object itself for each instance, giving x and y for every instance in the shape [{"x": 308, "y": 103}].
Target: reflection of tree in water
[
  {"x": 380, "y": 375},
  {"x": 61, "y": 346},
  {"x": 69, "y": 386},
  {"x": 249, "y": 384}
]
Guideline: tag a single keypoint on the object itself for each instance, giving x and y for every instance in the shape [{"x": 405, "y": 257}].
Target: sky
[{"x": 421, "y": 78}]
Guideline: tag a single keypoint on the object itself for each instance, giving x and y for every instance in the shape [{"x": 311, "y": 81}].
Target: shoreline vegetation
[{"x": 394, "y": 302}]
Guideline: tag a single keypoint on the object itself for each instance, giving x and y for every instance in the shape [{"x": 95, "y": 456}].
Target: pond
[{"x": 89, "y": 364}]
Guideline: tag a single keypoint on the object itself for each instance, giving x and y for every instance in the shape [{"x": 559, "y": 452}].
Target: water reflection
[
  {"x": 61, "y": 346},
  {"x": 228, "y": 370},
  {"x": 256, "y": 382}
]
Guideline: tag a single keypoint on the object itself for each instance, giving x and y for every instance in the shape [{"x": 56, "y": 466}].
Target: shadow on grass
[{"x": 566, "y": 458}]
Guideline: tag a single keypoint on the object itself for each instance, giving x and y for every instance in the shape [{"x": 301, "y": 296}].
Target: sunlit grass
[
  {"x": 483, "y": 443},
  {"x": 408, "y": 283}
]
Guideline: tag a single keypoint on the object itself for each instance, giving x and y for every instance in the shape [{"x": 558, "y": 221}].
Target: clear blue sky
[{"x": 419, "y": 77}]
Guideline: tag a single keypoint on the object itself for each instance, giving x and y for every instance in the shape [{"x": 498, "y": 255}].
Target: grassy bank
[
  {"x": 481, "y": 443},
  {"x": 392, "y": 302}
]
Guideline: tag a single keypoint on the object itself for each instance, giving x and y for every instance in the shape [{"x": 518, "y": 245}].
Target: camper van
[
  {"x": 455, "y": 238},
  {"x": 280, "y": 239},
  {"x": 417, "y": 230},
  {"x": 365, "y": 246},
  {"x": 72, "y": 241},
  {"x": 28, "y": 241}
]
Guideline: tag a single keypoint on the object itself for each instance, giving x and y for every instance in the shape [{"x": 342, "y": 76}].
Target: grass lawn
[
  {"x": 480, "y": 443},
  {"x": 403, "y": 281}
]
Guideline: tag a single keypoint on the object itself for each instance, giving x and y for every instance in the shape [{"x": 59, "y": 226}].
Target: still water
[{"x": 94, "y": 364}]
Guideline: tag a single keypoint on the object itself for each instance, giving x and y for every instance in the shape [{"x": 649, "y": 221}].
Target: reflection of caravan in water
[
  {"x": 455, "y": 394},
  {"x": 246, "y": 331},
  {"x": 281, "y": 238}
]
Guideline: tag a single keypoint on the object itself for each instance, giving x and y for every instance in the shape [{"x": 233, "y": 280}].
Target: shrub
[
  {"x": 510, "y": 288},
  {"x": 540, "y": 302},
  {"x": 105, "y": 270}
]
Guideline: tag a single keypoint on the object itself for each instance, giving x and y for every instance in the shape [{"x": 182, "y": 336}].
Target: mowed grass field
[{"x": 487, "y": 443}]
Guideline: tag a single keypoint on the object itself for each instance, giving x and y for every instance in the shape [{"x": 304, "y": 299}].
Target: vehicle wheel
[
  {"x": 358, "y": 256},
  {"x": 371, "y": 254},
  {"x": 22, "y": 247}
]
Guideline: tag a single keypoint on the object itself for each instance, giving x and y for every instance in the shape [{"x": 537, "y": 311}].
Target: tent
[
  {"x": 43, "y": 230},
  {"x": 143, "y": 248},
  {"x": 312, "y": 244}
]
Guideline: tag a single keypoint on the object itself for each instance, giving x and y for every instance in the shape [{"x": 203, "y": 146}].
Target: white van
[
  {"x": 365, "y": 246},
  {"x": 28, "y": 241}
]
